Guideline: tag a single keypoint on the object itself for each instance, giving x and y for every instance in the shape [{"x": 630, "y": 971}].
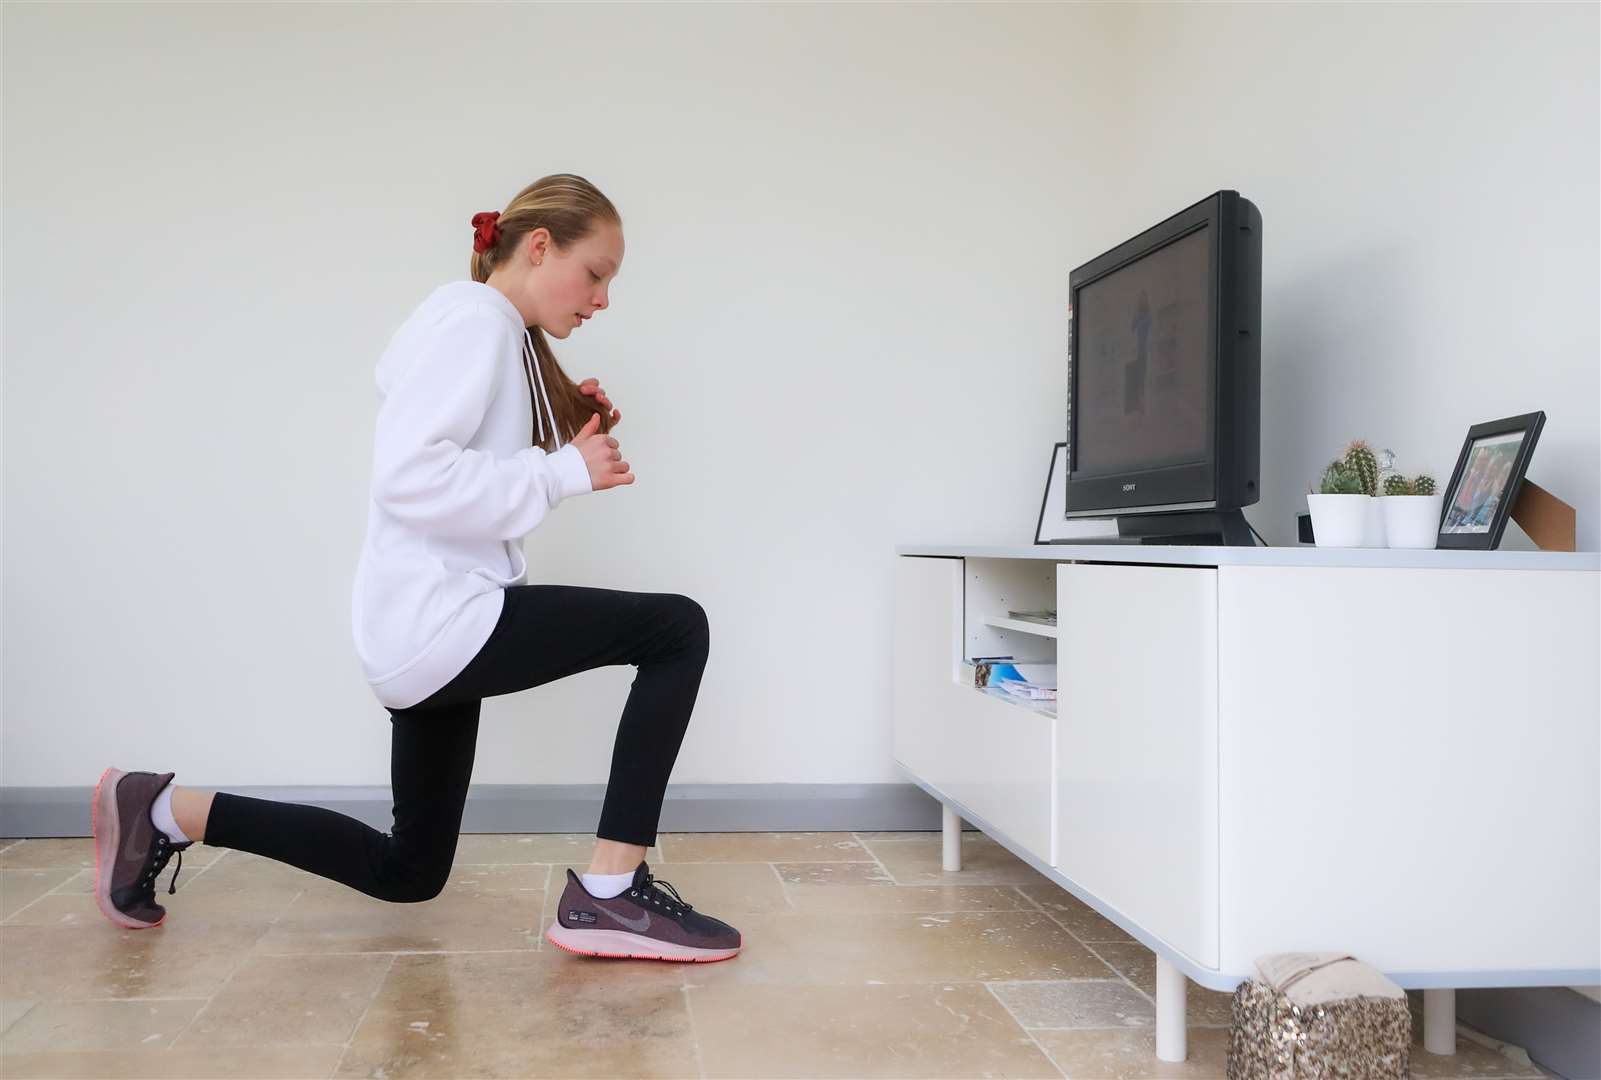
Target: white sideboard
[{"x": 1260, "y": 750}]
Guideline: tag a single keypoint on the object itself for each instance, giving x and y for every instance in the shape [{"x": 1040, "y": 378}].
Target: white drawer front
[
  {"x": 1136, "y": 767},
  {"x": 994, "y": 757}
]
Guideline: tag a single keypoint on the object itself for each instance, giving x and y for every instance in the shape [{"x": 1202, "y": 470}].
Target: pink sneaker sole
[
  {"x": 108, "y": 834},
  {"x": 623, "y": 945}
]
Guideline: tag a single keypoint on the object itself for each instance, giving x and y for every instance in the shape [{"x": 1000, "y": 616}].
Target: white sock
[
  {"x": 606, "y": 886},
  {"x": 161, "y": 816}
]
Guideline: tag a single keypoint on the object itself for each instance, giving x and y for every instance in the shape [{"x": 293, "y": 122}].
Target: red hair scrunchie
[{"x": 488, "y": 234}]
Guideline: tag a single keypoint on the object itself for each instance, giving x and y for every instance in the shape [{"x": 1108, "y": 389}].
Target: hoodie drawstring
[{"x": 531, "y": 359}]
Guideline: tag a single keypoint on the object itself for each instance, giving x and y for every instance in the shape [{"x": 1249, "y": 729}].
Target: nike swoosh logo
[
  {"x": 131, "y": 849},
  {"x": 639, "y": 925},
  {"x": 134, "y": 845}
]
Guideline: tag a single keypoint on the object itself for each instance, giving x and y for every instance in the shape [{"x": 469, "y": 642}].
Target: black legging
[{"x": 545, "y": 632}]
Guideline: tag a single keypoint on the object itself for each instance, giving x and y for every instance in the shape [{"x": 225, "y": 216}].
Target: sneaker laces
[
  {"x": 652, "y": 881},
  {"x": 160, "y": 855}
]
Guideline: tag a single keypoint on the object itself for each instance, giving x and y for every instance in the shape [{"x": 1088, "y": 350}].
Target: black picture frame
[{"x": 1475, "y": 519}]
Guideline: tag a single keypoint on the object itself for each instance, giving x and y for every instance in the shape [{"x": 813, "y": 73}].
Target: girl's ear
[{"x": 537, "y": 244}]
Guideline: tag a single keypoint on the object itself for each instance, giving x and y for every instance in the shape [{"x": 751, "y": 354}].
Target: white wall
[
  {"x": 838, "y": 327},
  {"x": 1428, "y": 181}
]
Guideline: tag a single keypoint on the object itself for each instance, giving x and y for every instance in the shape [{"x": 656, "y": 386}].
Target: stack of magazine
[{"x": 1030, "y": 681}]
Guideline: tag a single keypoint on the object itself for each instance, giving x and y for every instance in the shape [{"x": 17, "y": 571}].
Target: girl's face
[{"x": 563, "y": 289}]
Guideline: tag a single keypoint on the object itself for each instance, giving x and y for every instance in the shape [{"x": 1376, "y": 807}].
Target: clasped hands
[{"x": 602, "y": 457}]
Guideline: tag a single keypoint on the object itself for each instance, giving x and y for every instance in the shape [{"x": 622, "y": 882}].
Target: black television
[{"x": 1164, "y": 378}]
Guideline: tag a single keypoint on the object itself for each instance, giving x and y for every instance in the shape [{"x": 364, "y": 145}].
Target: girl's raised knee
[{"x": 693, "y": 618}]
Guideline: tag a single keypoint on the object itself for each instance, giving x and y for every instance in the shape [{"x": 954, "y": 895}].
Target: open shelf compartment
[{"x": 990, "y": 589}]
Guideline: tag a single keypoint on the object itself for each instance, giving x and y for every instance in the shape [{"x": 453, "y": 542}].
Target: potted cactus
[
  {"x": 1339, "y": 507},
  {"x": 1343, "y": 508},
  {"x": 1360, "y": 459},
  {"x": 1411, "y": 508}
]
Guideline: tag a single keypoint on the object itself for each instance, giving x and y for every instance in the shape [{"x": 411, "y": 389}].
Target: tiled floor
[{"x": 862, "y": 958}]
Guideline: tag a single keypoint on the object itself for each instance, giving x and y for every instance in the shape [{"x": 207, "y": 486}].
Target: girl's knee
[
  {"x": 419, "y": 886},
  {"x": 692, "y": 617},
  {"x": 416, "y": 870}
]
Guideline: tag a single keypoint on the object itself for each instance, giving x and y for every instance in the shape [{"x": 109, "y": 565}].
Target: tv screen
[
  {"x": 1163, "y": 402},
  {"x": 1144, "y": 398}
]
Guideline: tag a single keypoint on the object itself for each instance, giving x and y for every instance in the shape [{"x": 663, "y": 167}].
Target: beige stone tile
[
  {"x": 907, "y": 898},
  {"x": 1202, "y": 1007},
  {"x": 99, "y": 1025},
  {"x": 201, "y": 854},
  {"x": 1133, "y": 961},
  {"x": 83, "y": 881},
  {"x": 984, "y": 862},
  {"x": 1206, "y": 1008},
  {"x": 525, "y": 1015},
  {"x": 721, "y": 890},
  {"x": 85, "y": 956},
  {"x": 927, "y": 836},
  {"x": 1110, "y": 1054},
  {"x": 76, "y": 852},
  {"x": 67, "y": 909},
  {"x": 19, "y": 888},
  {"x": 237, "y": 889},
  {"x": 854, "y": 949},
  {"x": 12, "y": 1010},
  {"x": 761, "y": 847},
  {"x": 832, "y": 873},
  {"x": 79, "y": 853},
  {"x": 227, "y": 898},
  {"x": 289, "y": 1000},
  {"x": 1083, "y": 921},
  {"x": 241, "y": 871},
  {"x": 1470, "y": 1062},
  {"x": 939, "y": 1030},
  {"x": 482, "y": 907},
  {"x": 239, "y": 1063},
  {"x": 1084, "y": 1003},
  {"x": 564, "y": 849}
]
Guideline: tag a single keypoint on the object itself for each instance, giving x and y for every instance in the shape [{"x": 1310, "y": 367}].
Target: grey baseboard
[
  {"x": 1560, "y": 1029},
  {"x": 565, "y": 808}
]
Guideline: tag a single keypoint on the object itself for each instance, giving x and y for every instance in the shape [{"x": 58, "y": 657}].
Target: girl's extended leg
[{"x": 431, "y": 762}]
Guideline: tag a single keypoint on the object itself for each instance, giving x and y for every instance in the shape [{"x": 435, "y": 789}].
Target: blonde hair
[{"x": 569, "y": 208}]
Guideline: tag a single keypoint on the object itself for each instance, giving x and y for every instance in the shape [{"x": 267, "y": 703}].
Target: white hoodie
[{"x": 456, "y": 485}]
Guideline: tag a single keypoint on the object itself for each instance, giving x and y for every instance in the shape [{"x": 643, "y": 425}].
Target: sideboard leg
[
  {"x": 1170, "y": 1020},
  {"x": 952, "y": 833},
  {"x": 1439, "y": 1021}
]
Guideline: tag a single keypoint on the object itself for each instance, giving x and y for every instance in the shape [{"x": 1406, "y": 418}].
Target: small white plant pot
[
  {"x": 1412, "y": 521},
  {"x": 1340, "y": 520}
]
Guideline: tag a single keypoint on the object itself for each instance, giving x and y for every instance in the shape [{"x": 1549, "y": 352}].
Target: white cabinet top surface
[{"x": 1299, "y": 555}]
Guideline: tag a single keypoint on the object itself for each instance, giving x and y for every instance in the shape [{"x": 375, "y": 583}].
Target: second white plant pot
[{"x": 1411, "y": 521}]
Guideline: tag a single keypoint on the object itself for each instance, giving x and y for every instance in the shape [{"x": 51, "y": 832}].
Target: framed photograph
[{"x": 1484, "y": 486}]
